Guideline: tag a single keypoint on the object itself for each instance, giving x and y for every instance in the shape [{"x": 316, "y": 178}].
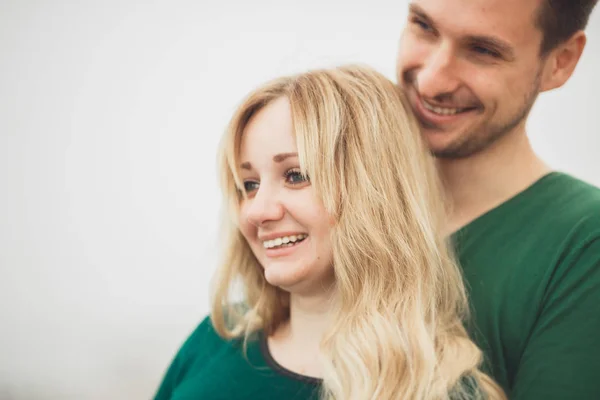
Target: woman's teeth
[{"x": 284, "y": 241}]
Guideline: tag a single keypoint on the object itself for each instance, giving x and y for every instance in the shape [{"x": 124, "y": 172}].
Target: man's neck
[{"x": 479, "y": 183}]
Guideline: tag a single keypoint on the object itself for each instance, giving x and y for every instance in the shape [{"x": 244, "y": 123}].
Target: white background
[{"x": 110, "y": 114}]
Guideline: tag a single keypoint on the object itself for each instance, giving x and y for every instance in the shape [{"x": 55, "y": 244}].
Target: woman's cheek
[{"x": 246, "y": 227}]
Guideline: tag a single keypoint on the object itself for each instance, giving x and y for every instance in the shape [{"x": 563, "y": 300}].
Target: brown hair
[{"x": 560, "y": 19}]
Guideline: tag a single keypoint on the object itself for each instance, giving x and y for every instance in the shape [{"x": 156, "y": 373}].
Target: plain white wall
[{"x": 110, "y": 114}]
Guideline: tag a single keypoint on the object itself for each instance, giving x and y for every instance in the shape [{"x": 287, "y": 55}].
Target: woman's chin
[
  {"x": 282, "y": 277},
  {"x": 299, "y": 281}
]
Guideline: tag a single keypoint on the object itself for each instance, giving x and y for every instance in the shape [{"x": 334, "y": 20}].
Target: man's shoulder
[
  {"x": 565, "y": 186},
  {"x": 548, "y": 224},
  {"x": 570, "y": 206},
  {"x": 542, "y": 217},
  {"x": 568, "y": 232}
]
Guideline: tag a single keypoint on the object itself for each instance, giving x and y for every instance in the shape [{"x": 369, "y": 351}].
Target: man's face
[{"x": 471, "y": 69}]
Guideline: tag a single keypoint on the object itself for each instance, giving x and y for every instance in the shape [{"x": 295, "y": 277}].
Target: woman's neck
[{"x": 295, "y": 344}]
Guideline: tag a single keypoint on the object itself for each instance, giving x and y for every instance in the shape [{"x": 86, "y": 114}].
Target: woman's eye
[
  {"x": 250, "y": 186},
  {"x": 295, "y": 177}
]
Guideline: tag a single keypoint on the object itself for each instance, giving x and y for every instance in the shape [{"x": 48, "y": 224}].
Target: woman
[{"x": 335, "y": 238}]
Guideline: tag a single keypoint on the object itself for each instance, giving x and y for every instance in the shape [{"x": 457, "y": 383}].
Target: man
[{"x": 527, "y": 238}]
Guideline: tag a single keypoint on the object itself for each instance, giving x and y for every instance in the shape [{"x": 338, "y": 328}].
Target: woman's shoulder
[
  {"x": 205, "y": 337},
  {"x": 203, "y": 331},
  {"x": 198, "y": 350},
  {"x": 202, "y": 340}
]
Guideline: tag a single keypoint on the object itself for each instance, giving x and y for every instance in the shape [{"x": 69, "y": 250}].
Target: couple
[{"x": 342, "y": 229}]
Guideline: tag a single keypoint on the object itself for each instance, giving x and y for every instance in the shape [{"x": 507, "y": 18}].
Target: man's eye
[
  {"x": 485, "y": 51},
  {"x": 250, "y": 186},
  {"x": 422, "y": 24},
  {"x": 295, "y": 177}
]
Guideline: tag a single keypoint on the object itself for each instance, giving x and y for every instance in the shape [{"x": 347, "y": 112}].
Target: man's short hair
[{"x": 560, "y": 19}]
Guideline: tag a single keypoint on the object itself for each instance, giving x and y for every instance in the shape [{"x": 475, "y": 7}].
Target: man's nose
[{"x": 437, "y": 77}]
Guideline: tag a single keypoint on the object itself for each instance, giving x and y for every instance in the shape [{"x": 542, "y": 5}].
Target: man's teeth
[
  {"x": 442, "y": 110},
  {"x": 269, "y": 244}
]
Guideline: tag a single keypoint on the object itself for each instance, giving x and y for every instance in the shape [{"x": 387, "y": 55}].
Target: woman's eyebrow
[
  {"x": 277, "y": 158},
  {"x": 280, "y": 157}
]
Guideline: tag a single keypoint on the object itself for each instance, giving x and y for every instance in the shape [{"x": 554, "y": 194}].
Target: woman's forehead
[{"x": 268, "y": 135}]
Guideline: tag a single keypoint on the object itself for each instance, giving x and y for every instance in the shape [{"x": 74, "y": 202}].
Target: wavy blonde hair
[{"x": 400, "y": 300}]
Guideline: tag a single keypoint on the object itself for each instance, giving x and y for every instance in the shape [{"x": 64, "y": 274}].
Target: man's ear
[{"x": 561, "y": 62}]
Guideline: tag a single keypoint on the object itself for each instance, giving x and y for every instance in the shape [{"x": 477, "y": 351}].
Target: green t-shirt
[
  {"x": 208, "y": 367},
  {"x": 532, "y": 267}
]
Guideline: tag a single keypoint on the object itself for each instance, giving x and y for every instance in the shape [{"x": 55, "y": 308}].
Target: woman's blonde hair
[{"x": 400, "y": 300}]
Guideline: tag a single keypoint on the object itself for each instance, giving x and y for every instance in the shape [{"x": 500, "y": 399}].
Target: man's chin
[
  {"x": 443, "y": 144},
  {"x": 453, "y": 151},
  {"x": 436, "y": 138}
]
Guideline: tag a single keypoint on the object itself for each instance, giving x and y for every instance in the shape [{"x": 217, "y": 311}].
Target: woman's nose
[{"x": 265, "y": 206}]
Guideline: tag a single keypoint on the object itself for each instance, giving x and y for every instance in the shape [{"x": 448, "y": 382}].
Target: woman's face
[{"x": 285, "y": 224}]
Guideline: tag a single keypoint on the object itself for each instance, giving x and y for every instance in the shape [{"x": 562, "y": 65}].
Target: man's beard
[{"x": 473, "y": 142}]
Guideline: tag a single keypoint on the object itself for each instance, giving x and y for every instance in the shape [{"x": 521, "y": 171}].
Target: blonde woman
[{"x": 334, "y": 233}]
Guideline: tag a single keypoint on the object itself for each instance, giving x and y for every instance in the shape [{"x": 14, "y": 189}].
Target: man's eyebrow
[
  {"x": 419, "y": 12},
  {"x": 493, "y": 42},
  {"x": 277, "y": 158}
]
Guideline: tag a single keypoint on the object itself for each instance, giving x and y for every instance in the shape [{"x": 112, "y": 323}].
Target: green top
[
  {"x": 208, "y": 367},
  {"x": 532, "y": 267}
]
